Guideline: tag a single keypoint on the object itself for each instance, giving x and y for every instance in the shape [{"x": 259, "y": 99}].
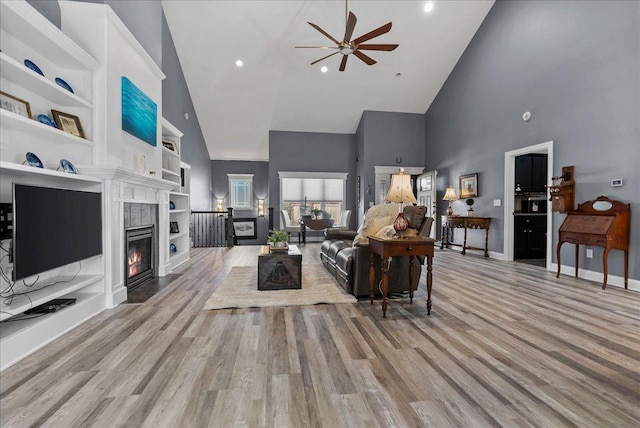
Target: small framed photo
[
  {"x": 170, "y": 145},
  {"x": 15, "y": 105},
  {"x": 245, "y": 228},
  {"x": 173, "y": 227},
  {"x": 68, "y": 123},
  {"x": 468, "y": 186}
]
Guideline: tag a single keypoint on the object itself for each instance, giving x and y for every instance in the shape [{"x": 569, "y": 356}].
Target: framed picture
[
  {"x": 139, "y": 113},
  {"x": 468, "y": 186},
  {"x": 173, "y": 227},
  {"x": 170, "y": 145},
  {"x": 245, "y": 228},
  {"x": 15, "y": 105},
  {"x": 68, "y": 123}
]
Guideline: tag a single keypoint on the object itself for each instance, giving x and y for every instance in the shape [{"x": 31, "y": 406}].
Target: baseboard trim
[{"x": 612, "y": 280}]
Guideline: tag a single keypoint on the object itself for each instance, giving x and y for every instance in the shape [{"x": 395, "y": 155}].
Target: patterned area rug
[{"x": 239, "y": 289}]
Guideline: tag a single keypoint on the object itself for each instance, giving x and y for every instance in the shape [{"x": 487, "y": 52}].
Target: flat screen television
[{"x": 53, "y": 227}]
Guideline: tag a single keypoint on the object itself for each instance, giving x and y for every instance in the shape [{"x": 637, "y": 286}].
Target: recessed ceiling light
[
  {"x": 324, "y": 69},
  {"x": 428, "y": 6},
  {"x": 239, "y": 63}
]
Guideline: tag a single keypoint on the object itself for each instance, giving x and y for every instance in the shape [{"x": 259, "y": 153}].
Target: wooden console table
[
  {"x": 450, "y": 222},
  {"x": 603, "y": 223},
  {"x": 412, "y": 247}
]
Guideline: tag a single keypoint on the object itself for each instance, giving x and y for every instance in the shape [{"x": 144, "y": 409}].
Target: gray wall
[
  {"x": 220, "y": 189},
  {"x": 386, "y": 137},
  {"x": 575, "y": 66},
  {"x": 313, "y": 152},
  {"x": 176, "y": 101}
]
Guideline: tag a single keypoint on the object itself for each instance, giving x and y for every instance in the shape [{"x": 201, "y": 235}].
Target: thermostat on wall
[{"x": 616, "y": 182}]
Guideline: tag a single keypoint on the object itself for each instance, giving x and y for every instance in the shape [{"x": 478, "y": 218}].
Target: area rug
[{"x": 239, "y": 289}]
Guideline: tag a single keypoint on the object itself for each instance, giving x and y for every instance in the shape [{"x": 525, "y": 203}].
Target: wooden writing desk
[
  {"x": 602, "y": 223},
  {"x": 412, "y": 247},
  {"x": 450, "y": 222}
]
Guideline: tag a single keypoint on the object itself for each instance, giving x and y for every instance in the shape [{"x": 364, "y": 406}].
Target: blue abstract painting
[{"x": 139, "y": 113}]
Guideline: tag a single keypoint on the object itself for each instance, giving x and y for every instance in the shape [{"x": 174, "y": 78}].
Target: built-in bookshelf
[
  {"x": 27, "y": 35},
  {"x": 174, "y": 170}
]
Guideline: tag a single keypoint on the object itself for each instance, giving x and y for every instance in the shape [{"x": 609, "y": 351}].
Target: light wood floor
[{"x": 507, "y": 344}]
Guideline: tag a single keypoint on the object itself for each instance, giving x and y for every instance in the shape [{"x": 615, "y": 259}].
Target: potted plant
[
  {"x": 317, "y": 214},
  {"x": 469, "y": 203},
  {"x": 278, "y": 239}
]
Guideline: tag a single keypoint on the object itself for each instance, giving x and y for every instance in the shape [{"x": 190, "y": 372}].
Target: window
[
  {"x": 241, "y": 191},
  {"x": 306, "y": 193}
]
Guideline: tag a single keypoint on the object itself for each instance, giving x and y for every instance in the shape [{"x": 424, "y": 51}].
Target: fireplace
[{"x": 139, "y": 255}]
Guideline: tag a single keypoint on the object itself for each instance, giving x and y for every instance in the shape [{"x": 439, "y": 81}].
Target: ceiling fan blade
[
  {"x": 365, "y": 58},
  {"x": 324, "y": 57},
  {"x": 343, "y": 63},
  {"x": 351, "y": 24},
  {"x": 316, "y": 47},
  {"x": 325, "y": 33},
  {"x": 377, "y": 47},
  {"x": 371, "y": 34}
]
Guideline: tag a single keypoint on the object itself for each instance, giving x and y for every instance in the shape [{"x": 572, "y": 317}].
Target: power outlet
[
  {"x": 497, "y": 202},
  {"x": 589, "y": 253}
]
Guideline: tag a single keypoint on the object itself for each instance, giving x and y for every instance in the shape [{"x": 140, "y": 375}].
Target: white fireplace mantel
[
  {"x": 122, "y": 185},
  {"x": 126, "y": 176}
]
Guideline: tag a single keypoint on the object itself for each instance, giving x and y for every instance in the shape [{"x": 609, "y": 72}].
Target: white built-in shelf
[
  {"x": 41, "y": 35},
  {"x": 169, "y": 172},
  {"x": 17, "y": 327},
  {"x": 178, "y": 255},
  {"x": 177, "y": 211},
  {"x": 174, "y": 236},
  {"x": 18, "y": 73},
  {"x": 168, "y": 152},
  {"x": 17, "y": 170},
  {"x": 178, "y": 194},
  {"x": 42, "y": 294},
  {"x": 39, "y": 130}
]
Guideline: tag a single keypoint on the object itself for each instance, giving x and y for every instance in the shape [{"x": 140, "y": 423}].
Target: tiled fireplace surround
[{"x": 136, "y": 215}]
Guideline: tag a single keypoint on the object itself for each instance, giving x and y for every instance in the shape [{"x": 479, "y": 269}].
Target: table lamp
[
  {"x": 450, "y": 195},
  {"x": 401, "y": 192}
]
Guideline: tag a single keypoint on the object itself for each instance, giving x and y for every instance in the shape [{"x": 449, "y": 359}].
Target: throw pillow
[
  {"x": 415, "y": 215},
  {"x": 377, "y": 217},
  {"x": 386, "y": 232}
]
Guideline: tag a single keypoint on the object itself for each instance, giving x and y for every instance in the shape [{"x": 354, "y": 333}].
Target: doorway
[
  {"x": 510, "y": 198},
  {"x": 426, "y": 195}
]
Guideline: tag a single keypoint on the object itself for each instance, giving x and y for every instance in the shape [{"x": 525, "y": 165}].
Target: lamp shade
[
  {"x": 400, "y": 190},
  {"x": 450, "y": 194}
]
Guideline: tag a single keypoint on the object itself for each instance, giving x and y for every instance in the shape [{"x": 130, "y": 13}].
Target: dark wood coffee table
[{"x": 281, "y": 270}]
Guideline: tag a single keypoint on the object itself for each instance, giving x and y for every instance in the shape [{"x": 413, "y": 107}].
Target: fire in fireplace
[{"x": 139, "y": 257}]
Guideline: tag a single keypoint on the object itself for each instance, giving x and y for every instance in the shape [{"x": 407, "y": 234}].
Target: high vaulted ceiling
[{"x": 278, "y": 89}]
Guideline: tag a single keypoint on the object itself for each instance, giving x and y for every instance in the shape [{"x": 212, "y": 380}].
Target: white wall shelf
[
  {"x": 67, "y": 285},
  {"x": 18, "y": 170},
  {"x": 37, "y": 129},
  {"x": 175, "y": 236},
  {"x": 19, "y": 74}
]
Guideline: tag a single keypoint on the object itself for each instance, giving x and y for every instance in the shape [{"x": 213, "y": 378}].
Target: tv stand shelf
[
  {"x": 44, "y": 294},
  {"x": 23, "y": 337}
]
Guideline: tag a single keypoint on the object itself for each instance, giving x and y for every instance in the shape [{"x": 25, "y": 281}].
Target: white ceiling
[{"x": 277, "y": 89}]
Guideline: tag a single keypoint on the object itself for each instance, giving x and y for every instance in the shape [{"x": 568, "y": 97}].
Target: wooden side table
[
  {"x": 412, "y": 247},
  {"x": 450, "y": 222}
]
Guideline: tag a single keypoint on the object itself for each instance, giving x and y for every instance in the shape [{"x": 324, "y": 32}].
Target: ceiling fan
[{"x": 348, "y": 46}]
